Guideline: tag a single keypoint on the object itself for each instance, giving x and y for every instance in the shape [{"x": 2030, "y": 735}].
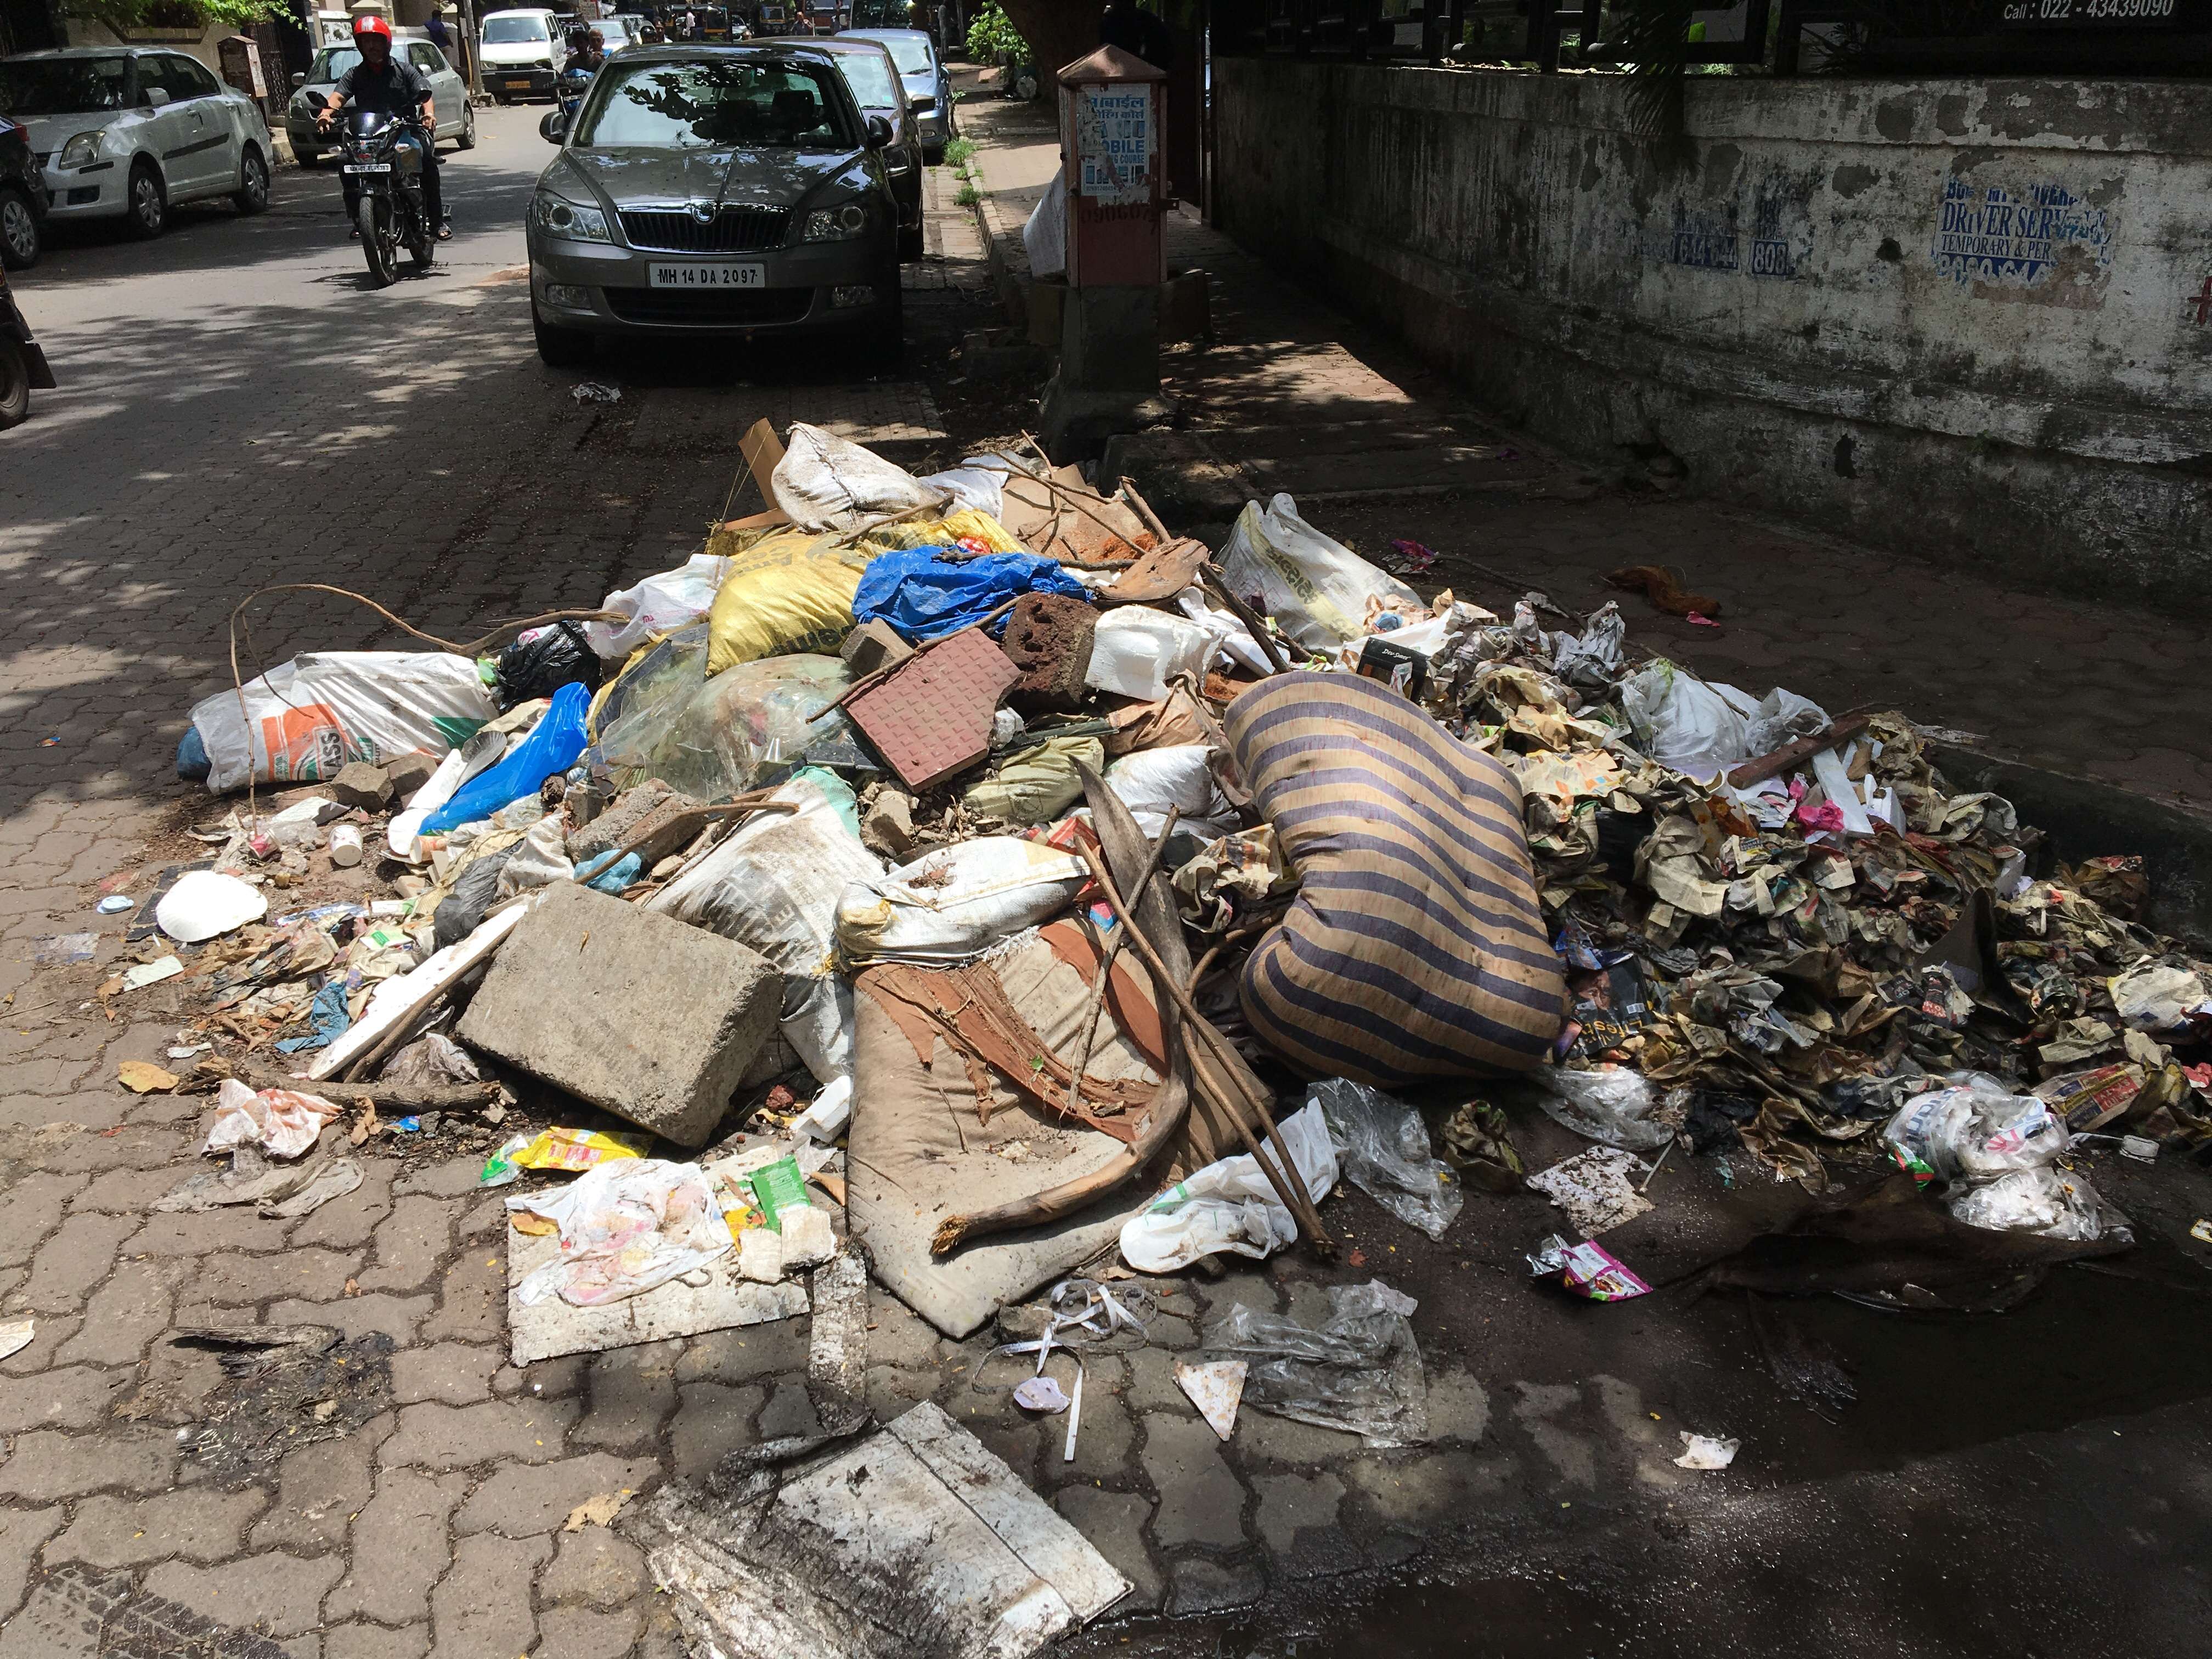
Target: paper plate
[{"x": 203, "y": 904}]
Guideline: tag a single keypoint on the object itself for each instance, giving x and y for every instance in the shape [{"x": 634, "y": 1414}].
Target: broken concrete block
[
  {"x": 622, "y": 820},
  {"x": 409, "y": 773},
  {"x": 1048, "y": 640},
  {"x": 635, "y": 1012},
  {"x": 760, "y": 1255},
  {"x": 872, "y": 646},
  {"x": 808, "y": 1238},
  {"x": 360, "y": 785},
  {"x": 888, "y": 827}
]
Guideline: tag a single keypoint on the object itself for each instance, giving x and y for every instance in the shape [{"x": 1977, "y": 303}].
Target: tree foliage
[
  {"x": 992, "y": 35},
  {"x": 121, "y": 16}
]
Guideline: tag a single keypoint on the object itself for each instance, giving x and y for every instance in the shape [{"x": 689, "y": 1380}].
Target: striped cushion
[{"x": 1415, "y": 948}]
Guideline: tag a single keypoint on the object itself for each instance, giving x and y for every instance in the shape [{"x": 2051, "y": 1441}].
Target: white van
[{"x": 523, "y": 51}]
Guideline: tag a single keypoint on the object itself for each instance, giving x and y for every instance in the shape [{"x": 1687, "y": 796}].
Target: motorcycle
[
  {"x": 22, "y": 365},
  {"x": 387, "y": 172},
  {"x": 568, "y": 95}
]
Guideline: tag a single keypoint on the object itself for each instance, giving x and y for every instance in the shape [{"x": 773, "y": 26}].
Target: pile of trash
[{"x": 975, "y": 826}]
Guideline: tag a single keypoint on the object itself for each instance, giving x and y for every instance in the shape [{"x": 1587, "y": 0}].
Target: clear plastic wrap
[
  {"x": 1974, "y": 1127},
  {"x": 1360, "y": 1372},
  {"x": 1610, "y": 1106},
  {"x": 1382, "y": 1147},
  {"x": 717, "y": 741}
]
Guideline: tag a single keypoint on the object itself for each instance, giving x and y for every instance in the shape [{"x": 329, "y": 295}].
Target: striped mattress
[{"x": 1416, "y": 947}]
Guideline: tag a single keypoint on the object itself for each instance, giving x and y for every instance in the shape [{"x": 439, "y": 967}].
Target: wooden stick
[
  {"x": 1112, "y": 955},
  {"x": 1791, "y": 756},
  {"x": 1289, "y": 1185},
  {"x": 435, "y": 1098},
  {"x": 1210, "y": 575}
]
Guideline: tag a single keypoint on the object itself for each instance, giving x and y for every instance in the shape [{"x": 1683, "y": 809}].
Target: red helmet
[{"x": 371, "y": 24}]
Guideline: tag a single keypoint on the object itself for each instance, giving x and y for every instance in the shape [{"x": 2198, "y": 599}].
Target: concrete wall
[{"x": 1968, "y": 320}]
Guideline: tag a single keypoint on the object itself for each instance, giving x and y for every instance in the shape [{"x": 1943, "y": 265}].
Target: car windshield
[
  {"x": 720, "y": 102},
  {"x": 330, "y": 62},
  {"x": 61, "y": 86},
  {"x": 910, "y": 51},
  {"x": 869, "y": 77},
  {"x": 502, "y": 29}
]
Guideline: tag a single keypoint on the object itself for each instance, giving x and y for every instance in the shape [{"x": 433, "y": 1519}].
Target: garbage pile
[{"x": 996, "y": 863}]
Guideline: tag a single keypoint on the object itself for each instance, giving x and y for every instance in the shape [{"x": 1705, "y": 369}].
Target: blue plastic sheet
[
  {"x": 926, "y": 596},
  {"x": 607, "y": 878},
  {"x": 552, "y": 746},
  {"x": 327, "y": 1020}
]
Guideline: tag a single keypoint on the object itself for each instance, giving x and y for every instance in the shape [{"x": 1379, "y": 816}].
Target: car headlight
[
  {"x": 835, "y": 224},
  {"x": 84, "y": 148},
  {"x": 557, "y": 216}
]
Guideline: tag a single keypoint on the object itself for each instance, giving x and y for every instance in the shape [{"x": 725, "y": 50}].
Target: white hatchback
[{"x": 129, "y": 132}]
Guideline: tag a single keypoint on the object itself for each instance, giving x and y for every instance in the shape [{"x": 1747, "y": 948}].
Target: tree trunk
[{"x": 1059, "y": 32}]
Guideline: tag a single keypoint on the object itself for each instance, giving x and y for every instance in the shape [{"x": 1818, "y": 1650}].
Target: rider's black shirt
[{"x": 396, "y": 89}]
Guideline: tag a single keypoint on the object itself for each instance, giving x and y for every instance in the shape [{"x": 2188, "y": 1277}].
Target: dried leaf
[
  {"x": 597, "y": 1511},
  {"x": 142, "y": 1077}
]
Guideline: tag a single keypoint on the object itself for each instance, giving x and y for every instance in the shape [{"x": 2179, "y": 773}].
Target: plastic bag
[
  {"x": 791, "y": 591},
  {"x": 925, "y": 595},
  {"x": 544, "y": 660},
  {"x": 1229, "y": 1204},
  {"x": 2043, "y": 1200},
  {"x": 1137, "y": 651},
  {"x": 1151, "y": 781},
  {"x": 1611, "y": 1106},
  {"x": 475, "y": 890},
  {"x": 951, "y": 903},
  {"x": 716, "y": 739},
  {"x": 772, "y": 885},
  {"x": 1039, "y": 783},
  {"x": 552, "y": 746},
  {"x": 1044, "y": 233},
  {"x": 626, "y": 1226},
  {"x": 827, "y": 482},
  {"x": 538, "y": 859},
  {"x": 1783, "y": 717},
  {"x": 976, "y": 483},
  {"x": 281, "y": 1121},
  {"x": 1382, "y": 1148},
  {"x": 1360, "y": 1372},
  {"x": 307, "y": 719},
  {"x": 1976, "y": 1126},
  {"x": 1690, "y": 725},
  {"x": 659, "y": 604},
  {"x": 1317, "y": 589}
]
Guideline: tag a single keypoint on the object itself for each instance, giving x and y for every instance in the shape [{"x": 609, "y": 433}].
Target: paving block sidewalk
[{"x": 1289, "y": 394}]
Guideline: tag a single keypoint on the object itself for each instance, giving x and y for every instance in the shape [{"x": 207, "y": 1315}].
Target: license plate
[
  {"x": 518, "y": 86},
  {"x": 368, "y": 166},
  {"x": 702, "y": 274}
]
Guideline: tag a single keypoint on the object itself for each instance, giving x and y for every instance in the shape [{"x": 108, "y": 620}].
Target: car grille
[
  {"x": 729, "y": 307},
  {"x": 735, "y": 229}
]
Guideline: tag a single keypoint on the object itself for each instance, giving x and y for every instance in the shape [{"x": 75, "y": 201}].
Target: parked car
[
  {"x": 706, "y": 191},
  {"x": 928, "y": 87},
  {"x": 616, "y": 34},
  {"x": 523, "y": 51},
  {"x": 129, "y": 131},
  {"x": 457, "y": 119},
  {"x": 22, "y": 365},
  {"x": 22, "y": 198},
  {"x": 874, "y": 79}
]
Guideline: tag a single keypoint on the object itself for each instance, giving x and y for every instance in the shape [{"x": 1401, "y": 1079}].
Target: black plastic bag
[{"x": 544, "y": 660}]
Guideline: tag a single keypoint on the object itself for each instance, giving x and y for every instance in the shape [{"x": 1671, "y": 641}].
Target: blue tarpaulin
[{"x": 926, "y": 596}]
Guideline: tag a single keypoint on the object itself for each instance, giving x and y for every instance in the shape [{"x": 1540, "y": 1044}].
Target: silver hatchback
[{"x": 718, "y": 191}]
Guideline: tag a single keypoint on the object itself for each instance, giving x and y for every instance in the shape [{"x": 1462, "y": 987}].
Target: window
[
  {"x": 506, "y": 28},
  {"x": 869, "y": 75},
  {"x": 161, "y": 72},
  {"x": 190, "y": 78},
  {"x": 722, "y": 103},
  {"x": 911, "y": 51},
  {"x": 425, "y": 58},
  {"x": 63, "y": 86},
  {"x": 329, "y": 63}
]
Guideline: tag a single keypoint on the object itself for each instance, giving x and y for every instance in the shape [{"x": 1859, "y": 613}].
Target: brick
[
  {"x": 626, "y": 817},
  {"x": 1201, "y": 1500},
  {"x": 409, "y": 1243},
  {"x": 274, "y": 1592},
  {"x": 360, "y": 785},
  {"x": 74, "y": 1397},
  {"x": 359, "y": 1641},
  {"x": 21, "y": 1533},
  {"x": 320, "y": 1488},
  {"x": 872, "y": 646},
  {"x": 399, "y": 1549},
  {"x": 196, "y": 1524},
  {"x": 432, "y": 1435},
  {"x": 1048, "y": 639},
  {"x": 637, "y": 1013},
  {"x": 521, "y": 1502},
  {"x": 711, "y": 1420},
  {"x": 1113, "y": 1522},
  {"x": 44, "y": 1465},
  {"x": 454, "y": 1373},
  {"x": 33, "y": 1208},
  {"x": 482, "y": 1608},
  {"x": 352, "y": 1219},
  {"x": 231, "y": 1280},
  {"x": 79, "y": 1254},
  {"x": 593, "y": 1567},
  {"x": 582, "y": 1633},
  {"x": 631, "y": 1392},
  {"x": 471, "y": 1296}
]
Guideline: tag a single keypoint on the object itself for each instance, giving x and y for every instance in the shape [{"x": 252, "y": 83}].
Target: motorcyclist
[
  {"x": 383, "y": 84},
  {"x": 588, "y": 52}
]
